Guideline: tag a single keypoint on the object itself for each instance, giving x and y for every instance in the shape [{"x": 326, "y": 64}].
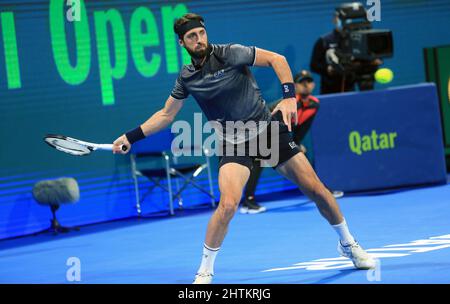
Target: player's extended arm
[
  {"x": 158, "y": 121},
  {"x": 164, "y": 117},
  {"x": 288, "y": 106}
]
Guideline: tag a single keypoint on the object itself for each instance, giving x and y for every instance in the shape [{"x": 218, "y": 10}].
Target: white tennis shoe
[
  {"x": 360, "y": 258},
  {"x": 203, "y": 278}
]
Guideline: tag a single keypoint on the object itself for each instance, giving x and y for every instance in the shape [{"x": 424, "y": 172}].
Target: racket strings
[{"x": 67, "y": 146}]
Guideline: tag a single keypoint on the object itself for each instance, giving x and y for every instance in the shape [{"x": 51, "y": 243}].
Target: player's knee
[
  {"x": 316, "y": 189},
  {"x": 228, "y": 205}
]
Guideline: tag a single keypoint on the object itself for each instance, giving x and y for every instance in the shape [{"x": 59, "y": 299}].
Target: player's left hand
[{"x": 288, "y": 108}]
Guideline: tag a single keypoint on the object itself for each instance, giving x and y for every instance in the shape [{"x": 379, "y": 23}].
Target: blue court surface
[{"x": 409, "y": 231}]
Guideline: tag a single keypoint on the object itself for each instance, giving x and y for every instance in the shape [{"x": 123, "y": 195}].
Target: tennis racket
[{"x": 74, "y": 146}]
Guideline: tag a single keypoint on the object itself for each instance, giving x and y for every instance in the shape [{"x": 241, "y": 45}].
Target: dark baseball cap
[{"x": 303, "y": 75}]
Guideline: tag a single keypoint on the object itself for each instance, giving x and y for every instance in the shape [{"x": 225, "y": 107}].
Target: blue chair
[{"x": 158, "y": 146}]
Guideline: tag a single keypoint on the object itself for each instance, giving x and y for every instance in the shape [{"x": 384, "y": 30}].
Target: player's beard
[{"x": 199, "y": 54}]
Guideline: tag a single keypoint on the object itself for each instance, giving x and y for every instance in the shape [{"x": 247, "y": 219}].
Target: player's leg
[
  {"x": 299, "y": 134},
  {"x": 232, "y": 179},
  {"x": 249, "y": 204},
  {"x": 299, "y": 171}
]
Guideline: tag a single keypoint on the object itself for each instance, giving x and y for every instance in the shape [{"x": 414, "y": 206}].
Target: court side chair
[{"x": 157, "y": 147}]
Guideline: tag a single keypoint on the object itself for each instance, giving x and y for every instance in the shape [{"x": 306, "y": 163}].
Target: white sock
[
  {"x": 344, "y": 233},
  {"x": 208, "y": 258}
]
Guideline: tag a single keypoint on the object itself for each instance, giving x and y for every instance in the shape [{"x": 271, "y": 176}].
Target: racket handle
[{"x": 124, "y": 148}]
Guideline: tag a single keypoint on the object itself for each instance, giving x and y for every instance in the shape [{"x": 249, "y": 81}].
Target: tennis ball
[{"x": 384, "y": 75}]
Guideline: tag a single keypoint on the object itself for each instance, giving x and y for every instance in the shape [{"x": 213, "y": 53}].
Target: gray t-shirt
[{"x": 226, "y": 91}]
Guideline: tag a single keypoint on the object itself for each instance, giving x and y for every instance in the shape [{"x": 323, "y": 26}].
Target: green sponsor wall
[{"x": 437, "y": 61}]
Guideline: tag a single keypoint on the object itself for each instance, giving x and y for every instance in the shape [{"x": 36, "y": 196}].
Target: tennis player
[{"x": 221, "y": 82}]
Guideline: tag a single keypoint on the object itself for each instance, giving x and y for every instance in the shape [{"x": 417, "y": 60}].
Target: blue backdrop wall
[{"x": 100, "y": 76}]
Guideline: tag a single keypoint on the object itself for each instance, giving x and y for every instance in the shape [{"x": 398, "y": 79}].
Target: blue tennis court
[{"x": 290, "y": 243}]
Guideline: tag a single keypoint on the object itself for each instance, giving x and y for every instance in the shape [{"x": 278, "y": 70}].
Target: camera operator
[{"x": 340, "y": 74}]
